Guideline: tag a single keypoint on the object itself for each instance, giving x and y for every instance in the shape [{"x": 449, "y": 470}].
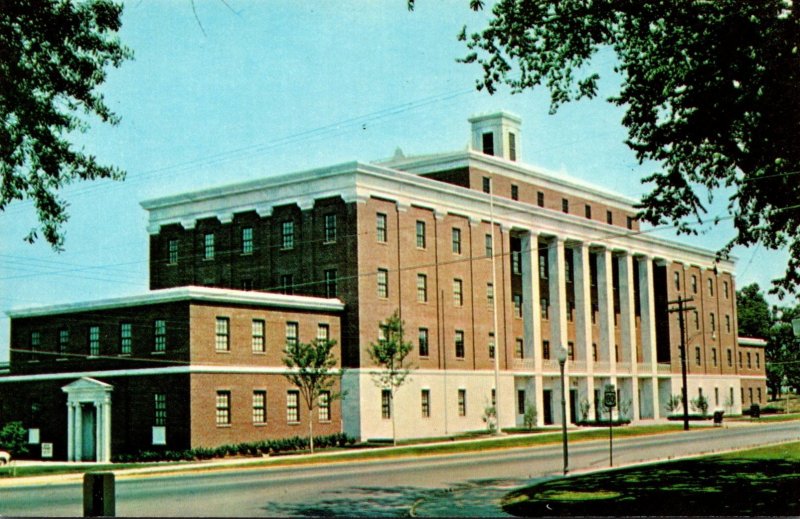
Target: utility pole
[{"x": 684, "y": 397}]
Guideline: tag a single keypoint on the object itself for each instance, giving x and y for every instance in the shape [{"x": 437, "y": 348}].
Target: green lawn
[{"x": 763, "y": 482}]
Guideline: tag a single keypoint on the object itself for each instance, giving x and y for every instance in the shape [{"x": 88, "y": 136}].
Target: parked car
[{"x": 4, "y": 457}]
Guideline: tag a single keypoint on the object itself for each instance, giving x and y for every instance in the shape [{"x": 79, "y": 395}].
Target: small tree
[
  {"x": 13, "y": 438},
  {"x": 313, "y": 373},
  {"x": 490, "y": 418},
  {"x": 390, "y": 354},
  {"x": 585, "y": 407},
  {"x": 700, "y": 405},
  {"x": 529, "y": 418},
  {"x": 674, "y": 403}
]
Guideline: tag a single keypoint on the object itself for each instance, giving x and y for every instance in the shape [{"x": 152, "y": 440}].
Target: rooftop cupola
[{"x": 496, "y": 134}]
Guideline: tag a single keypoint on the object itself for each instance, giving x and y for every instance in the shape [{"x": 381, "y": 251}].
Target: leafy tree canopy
[
  {"x": 710, "y": 93},
  {"x": 53, "y": 56},
  {"x": 755, "y": 317}
]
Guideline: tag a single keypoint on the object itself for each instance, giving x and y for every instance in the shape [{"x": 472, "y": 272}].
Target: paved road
[{"x": 467, "y": 484}]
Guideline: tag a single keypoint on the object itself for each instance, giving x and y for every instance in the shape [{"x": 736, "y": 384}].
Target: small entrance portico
[{"x": 88, "y": 420}]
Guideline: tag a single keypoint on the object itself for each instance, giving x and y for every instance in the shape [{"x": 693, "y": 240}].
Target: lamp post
[{"x": 561, "y": 355}]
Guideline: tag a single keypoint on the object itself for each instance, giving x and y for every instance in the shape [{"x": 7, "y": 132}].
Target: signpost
[{"x": 610, "y": 402}]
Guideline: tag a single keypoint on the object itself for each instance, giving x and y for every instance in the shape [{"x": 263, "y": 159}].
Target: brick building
[{"x": 493, "y": 265}]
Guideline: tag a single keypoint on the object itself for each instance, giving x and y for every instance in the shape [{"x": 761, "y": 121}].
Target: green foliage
[
  {"x": 529, "y": 418},
  {"x": 14, "y": 438},
  {"x": 54, "y": 59},
  {"x": 585, "y": 407},
  {"x": 674, "y": 403},
  {"x": 709, "y": 89},
  {"x": 699, "y": 404},
  {"x": 390, "y": 354},
  {"x": 489, "y": 417},
  {"x": 753, "y": 313}
]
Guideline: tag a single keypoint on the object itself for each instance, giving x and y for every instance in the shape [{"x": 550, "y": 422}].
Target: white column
[
  {"x": 558, "y": 293},
  {"x": 628, "y": 324},
  {"x": 648, "y": 325},
  {"x": 107, "y": 429},
  {"x": 583, "y": 314},
  {"x": 605, "y": 299},
  {"x": 70, "y": 431},
  {"x": 98, "y": 427},
  {"x": 532, "y": 317},
  {"x": 78, "y": 432}
]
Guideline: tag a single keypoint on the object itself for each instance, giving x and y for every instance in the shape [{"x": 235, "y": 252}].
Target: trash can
[
  {"x": 718, "y": 418},
  {"x": 755, "y": 411}
]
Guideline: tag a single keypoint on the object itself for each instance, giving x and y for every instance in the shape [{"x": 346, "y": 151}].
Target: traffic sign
[{"x": 610, "y": 396}]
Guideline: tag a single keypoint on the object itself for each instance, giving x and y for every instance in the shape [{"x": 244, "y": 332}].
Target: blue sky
[{"x": 265, "y": 88}]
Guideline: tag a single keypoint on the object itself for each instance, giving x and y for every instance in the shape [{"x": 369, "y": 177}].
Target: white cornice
[
  {"x": 189, "y": 293},
  {"x": 172, "y": 370}
]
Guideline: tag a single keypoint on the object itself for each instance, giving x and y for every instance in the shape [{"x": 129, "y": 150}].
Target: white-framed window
[
  {"x": 247, "y": 240},
  {"x": 381, "y": 232},
  {"x": 519, "y": 348},
  {"x": 386, "y": 404},
  {"x": 512, "y": 153},
  {"x": 543, "y": 264},
  {"x": 546, "y": 350},
  {"x": 330, "y": 228},
  {"x": 421, "y": 238},
  {"x": 423, "y": 342},
  {"x": 223, "y": 338},
  {"x": 160, "y": 335},
  {"x": 172, "y": 252},
  {"x": 323, "y": 332},
  {"x": 456, "y": 239},
  {"x": 490, "y": 294},
  {"x": 159, "y": 409},
  {"x": 287, "y": 235},
  {"x": 259, "y": 406},
  {"x": 223, "y": 408},
  {"x": 292, "y": 406},
  {"x": 383, "y": 283},
  {"x": 287, "y": 284},
  {"x": 63, "y": 340},
  {"x": 292, "y": 331},
  {"x": 458, "y": 292},
  {"x": 425, "y": 402},
  {"x": 514, "y": 187},
  {"x": 462, "y": 402},
  {"x": 488, "y": 245},
  {"x": 330, "y": 283},
  {"x": 487, "y": 184},
  {"x": 94, "y": 341},
  {"x": 517, "y": 298},
  {"x": 324, "y": 406},
  {"x": 711, "y": 287},
  {"x": 516, "y": 262},
  {"x": 459, "y": 344},
  {"x": 125, "y": 338},
  {"x": 422, "y": 288},
  {"x": 490, "y": 345},
  {"x": 36, "y": 341},
  {"x": 259, "y": 346},
  {"x": 208, "y": 246}
]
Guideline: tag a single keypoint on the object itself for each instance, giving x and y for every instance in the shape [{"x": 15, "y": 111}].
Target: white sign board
[
  {"x": 47, "y": 450},
  {"x": 33, "y": 436},
  {"x": 159, "y": 435}
]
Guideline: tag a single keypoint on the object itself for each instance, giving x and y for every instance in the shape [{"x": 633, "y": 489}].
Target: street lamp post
[{"x": 562, "y": 359}]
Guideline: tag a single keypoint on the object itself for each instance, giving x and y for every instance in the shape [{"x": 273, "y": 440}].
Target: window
[
  {"x": 380, "y": 227},
  {"x": 629, "y": 222},
  {"x": 330, "y": 283},
  {"x": 750, "y": 392},
  {"x": 749, "y": 361},
  {"x": 458, "y": 292},
  {"x": 420, "y": 234},
  {"x": 571, "y": 350},
  {"x": 713, "y": 320},
  {"x": 456, "y": 235},
  {"x": 459, "y": 342},
  {"x": 247, "y": 240},
  {"x": 696, "y": 316},
  {"x": 568, "y": 271},
  {"x": 570, "y": 311},
  {"x": 159, "y": 409},
  {"x": 520, "y": 401},
  {"x": 490, "y": 294},
  {"x": 544, "y": 305},
  {"x": 383, "y": 283},
  {"x": 519, "y": 348},
  {"x": 487, "y": 185},
  {"x": 425, "y": 401},
  {"x": 725, "y": 288},
  {"x": 386, "y": 404},
  {"x": 564, "y": 205},
  {"x": 517, "y": 298},
  {"x": 487, "y": 140},
  {"x": 514, "y": 189},
  {"x": 323, "y": 332},
  {"x": 223, "y": 416},
  {"x": 292, "y": 406},
  {"x": 710, "y": 287},
  {"x": 716, "y": 396},
  {"x": 543, "y": 264},
  {"x": 422, "y": 288},
  {"x": 694, "y": 284},
  {"x": 697, "y": 355},
  {"x": 587, "y": 211},
  {"x": 462, "y": 402},
  {"x": 676, "y": 280},
  {"x": 594, "y": 351},
  {"x": 758, "y": 361},
  {"x": 714, "y": 357},
  {"x": 172, "y": 252},
  {"x": 330, "y": 228},
  {"x": 36, "y": 341},
  {"x": 540, "y": 199},
  {"x": 730, "y": 358},
  {"x": 545, "y": 350},
  {"x": 423, "y": 342},
  {"x": 741, "y": 364},
  {"x": 491, "y": 345},
  {"x": 63, "y": 340},
  {"x": 488, "y": 245},
  {"x": 258, "y": 336},
  {"x": 223, "y": 342},
  {"x": 160, "y": 335},
  {"x": 291, "y": 333},
  {"x": 208, "y": 246},
  {"x": 516, "y": 262},
  {"x": 609, "y": 218},
  {"x": 259, "y": 406},
  {"x": 287, "y": 235},
  {"x": 727, "y": 323},
  {"x": 324, "y": 406},
  {"x": 94, "y": 341},
  {"x": 759, "y": 394},
  {"x": 512, "y": 147},
  {"x": 287, "y": 284}
]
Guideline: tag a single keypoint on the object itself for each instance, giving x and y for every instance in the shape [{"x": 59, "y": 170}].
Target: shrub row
[{"x": 260, "y": 448}]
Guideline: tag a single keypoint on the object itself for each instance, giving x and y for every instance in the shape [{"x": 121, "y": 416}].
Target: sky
[{"x": 236, "y": 90}]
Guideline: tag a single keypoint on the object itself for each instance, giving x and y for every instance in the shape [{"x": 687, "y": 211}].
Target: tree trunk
[
  {"x": 394, "y": 417},
  {"x": 311, "y": 428}
]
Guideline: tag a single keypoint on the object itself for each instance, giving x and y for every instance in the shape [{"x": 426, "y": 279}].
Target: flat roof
[
  {"x": 188, "y": 293},
  {"x": 751, "y": 341}
]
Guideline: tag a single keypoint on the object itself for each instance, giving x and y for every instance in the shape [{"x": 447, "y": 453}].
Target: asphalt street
[{"x": 451, "y": 485}]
